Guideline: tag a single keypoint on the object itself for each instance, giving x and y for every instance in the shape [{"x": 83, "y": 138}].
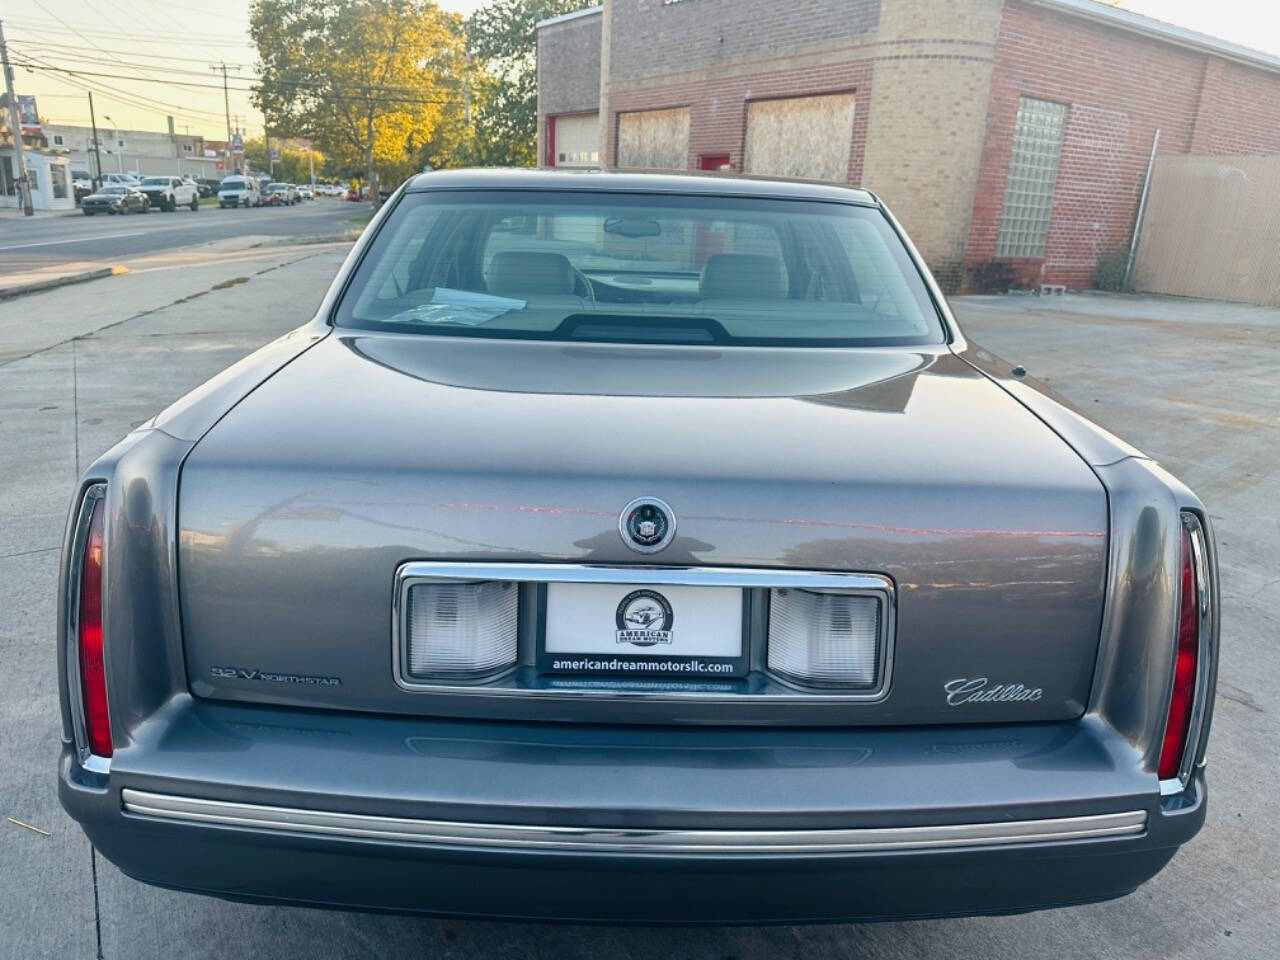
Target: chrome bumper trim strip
[{"x": 623, "y": 840}]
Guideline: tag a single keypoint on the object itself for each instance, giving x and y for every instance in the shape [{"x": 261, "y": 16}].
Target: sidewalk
[
  {"x": 57, "y": 275},
  {"x": 142, "y": 285},
  {"x": 15, "y": 213}
]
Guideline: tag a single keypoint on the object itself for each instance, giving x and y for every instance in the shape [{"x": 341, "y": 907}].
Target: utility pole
[
  {"x": 24, "y": 185},
  {"x": 226, "y": 103},
  {"x": 97, "y": 150}
]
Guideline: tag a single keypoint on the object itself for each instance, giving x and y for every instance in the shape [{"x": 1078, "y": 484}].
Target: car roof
[{"x": 691, "y": 182}]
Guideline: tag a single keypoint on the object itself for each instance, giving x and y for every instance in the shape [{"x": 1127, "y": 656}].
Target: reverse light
[
  {"x": 825, "y": 639},
  {"x": 94, "y": 719},
  {"x": 1177, "y": 751},
  {"x": 460, "y": 629}
]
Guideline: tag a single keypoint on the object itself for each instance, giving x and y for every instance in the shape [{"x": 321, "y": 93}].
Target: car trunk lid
[{"x": 373, "y": 450}]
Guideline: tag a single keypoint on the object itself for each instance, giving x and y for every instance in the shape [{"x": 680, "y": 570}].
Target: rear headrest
[
  {"x": 742, "y": 276},
  {"x": 529, "y": 272}
]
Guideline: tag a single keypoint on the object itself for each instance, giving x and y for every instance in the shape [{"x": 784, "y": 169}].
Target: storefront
[{"x": 1011, "y": 137}]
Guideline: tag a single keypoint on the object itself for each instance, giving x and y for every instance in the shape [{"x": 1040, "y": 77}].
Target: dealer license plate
[{"x": 632, "y": 630}]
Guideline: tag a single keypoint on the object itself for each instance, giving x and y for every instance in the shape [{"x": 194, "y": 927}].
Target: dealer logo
[
  {"x": 644, "y": 618},
  {"x": 647, "y": 525}
]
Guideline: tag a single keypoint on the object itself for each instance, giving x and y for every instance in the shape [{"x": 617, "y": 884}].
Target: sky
[{"x": 143, "y": 75}]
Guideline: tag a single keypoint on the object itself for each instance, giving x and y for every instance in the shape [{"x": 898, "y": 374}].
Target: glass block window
[{"x": 1033, "y": 172}]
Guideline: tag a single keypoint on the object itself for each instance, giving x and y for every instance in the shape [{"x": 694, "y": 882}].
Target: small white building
[{"x": 48, "y": 172}]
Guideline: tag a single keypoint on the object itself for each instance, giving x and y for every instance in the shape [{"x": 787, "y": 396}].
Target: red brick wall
[
  {"x": 718, "y": 106},
  {"x": 1119, "y": 87},
  {"x": 1239, "y": 110}
]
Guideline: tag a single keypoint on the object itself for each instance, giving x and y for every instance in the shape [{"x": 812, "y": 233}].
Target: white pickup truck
[{"x": 169, "y": 193}]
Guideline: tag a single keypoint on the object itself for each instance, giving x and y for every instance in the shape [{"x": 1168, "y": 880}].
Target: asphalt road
[
  {"x": 41, "y": 242},
  {"x": 1193, "y": 384}
]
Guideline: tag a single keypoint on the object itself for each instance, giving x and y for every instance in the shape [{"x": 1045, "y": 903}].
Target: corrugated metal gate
[{"x": 1212, "y": 229}]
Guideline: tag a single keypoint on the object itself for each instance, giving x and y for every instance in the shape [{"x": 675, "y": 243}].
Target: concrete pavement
[
  {"x": 27, "y": 245},
  {"x": 1193, "y": 384}
]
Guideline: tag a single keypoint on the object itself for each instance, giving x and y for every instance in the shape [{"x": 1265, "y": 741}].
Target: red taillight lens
[
  {"x": 1184, "y": 671},
  {"x": 93, "y": 680}
]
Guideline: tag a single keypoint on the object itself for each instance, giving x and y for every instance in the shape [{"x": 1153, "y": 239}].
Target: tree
[
  {"x": 502, "y": 38},
  {"x": 294, "y": 166},
  {"x": 367, "y": 80}
]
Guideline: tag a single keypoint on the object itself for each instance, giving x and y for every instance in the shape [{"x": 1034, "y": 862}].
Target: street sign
[{"x": 275, "y": 155}]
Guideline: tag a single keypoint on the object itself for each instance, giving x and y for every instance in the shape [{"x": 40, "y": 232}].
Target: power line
[
  {"x": 323, "y": 85},
  {"x": 157, "y": 68},
  {"x": 134, "y": 99},
  {"x": 123, "y": 97},
  {"x": 132, "y": 38},
  {"x": 385, "y": 95},
  {"x": 75, "y": 49},
  {"x": 166, "y": 5},
  {"x": 67, "y": 25}
]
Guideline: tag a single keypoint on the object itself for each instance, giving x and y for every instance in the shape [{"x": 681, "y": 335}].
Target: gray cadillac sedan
[{"x": 641, "y": 548}]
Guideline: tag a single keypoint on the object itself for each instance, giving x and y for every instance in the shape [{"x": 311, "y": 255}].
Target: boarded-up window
[
  {"x": 801, "y": 137},
  {"x": 654, "y": 139},
  {"x": 1033, "y": 173}
]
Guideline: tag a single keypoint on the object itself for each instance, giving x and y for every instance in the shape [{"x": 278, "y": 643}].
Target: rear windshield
[
  {"x": 155, "y": 181},
  {"x": 640, "y": 268},
  {"x": 278, "y": 187}
]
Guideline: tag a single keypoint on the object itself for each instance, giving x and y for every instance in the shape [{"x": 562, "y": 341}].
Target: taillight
[
  {"x": 88, "y": 630},
  {"x": 1174, "y": 760},
  {"x": 825, "y": 639},
  {"x": 461, "y": 629}
]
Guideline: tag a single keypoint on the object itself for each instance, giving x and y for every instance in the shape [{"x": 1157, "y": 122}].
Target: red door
[{"x": 712, "y": 161}]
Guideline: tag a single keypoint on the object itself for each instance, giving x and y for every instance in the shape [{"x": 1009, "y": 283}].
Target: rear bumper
[{"x": 637, "y": 825}]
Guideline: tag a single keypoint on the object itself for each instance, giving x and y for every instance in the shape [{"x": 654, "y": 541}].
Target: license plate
[{"x": 633, "y": 630}]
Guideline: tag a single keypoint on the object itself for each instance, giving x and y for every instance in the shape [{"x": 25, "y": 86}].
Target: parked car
[
  {"x": 238, "y": 191},
  {"x": 304, "y": 192},
  {"x": 169, "y": 193},
  {"x": 205, "y": 188},
  {"x": 128, "y": 179},
  {"x": 680, "y": 559},
  {"x": 115, "y": 198},
  {"x": 286, "y": 192},
  {"x": 81, "y": 184}
]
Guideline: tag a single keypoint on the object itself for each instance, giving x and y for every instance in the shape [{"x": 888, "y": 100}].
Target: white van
[{"x": 238, "y": 191}]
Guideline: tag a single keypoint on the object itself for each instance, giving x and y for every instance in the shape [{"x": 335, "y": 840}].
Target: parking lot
[{"x": 1192, "y": 383}]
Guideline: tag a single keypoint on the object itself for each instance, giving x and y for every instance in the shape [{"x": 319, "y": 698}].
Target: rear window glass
[
  {"x": 640, "y": 268},
  {"x": 155, "y": 181}
]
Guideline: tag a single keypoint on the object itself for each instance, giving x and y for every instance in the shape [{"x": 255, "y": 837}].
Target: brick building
[{"x": 1011, "y": 137}]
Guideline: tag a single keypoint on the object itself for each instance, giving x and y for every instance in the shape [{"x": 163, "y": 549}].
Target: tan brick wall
[{"x": 927, "y": 120}]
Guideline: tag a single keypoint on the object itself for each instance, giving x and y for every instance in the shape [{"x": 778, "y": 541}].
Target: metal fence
[{"x": 1211, "y": 229}]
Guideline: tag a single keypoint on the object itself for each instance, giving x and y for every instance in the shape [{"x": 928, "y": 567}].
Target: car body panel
[{"x": 825, "y": 471}]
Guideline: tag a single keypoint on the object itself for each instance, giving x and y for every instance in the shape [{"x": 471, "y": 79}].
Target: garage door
[
  {"x": 654, "y": 139},
  {"x": 577, "y": 141},
  {"x": 801, "y": 137}
]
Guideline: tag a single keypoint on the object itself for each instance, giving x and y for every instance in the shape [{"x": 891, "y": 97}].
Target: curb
[{"x": 35, "y": 286}]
